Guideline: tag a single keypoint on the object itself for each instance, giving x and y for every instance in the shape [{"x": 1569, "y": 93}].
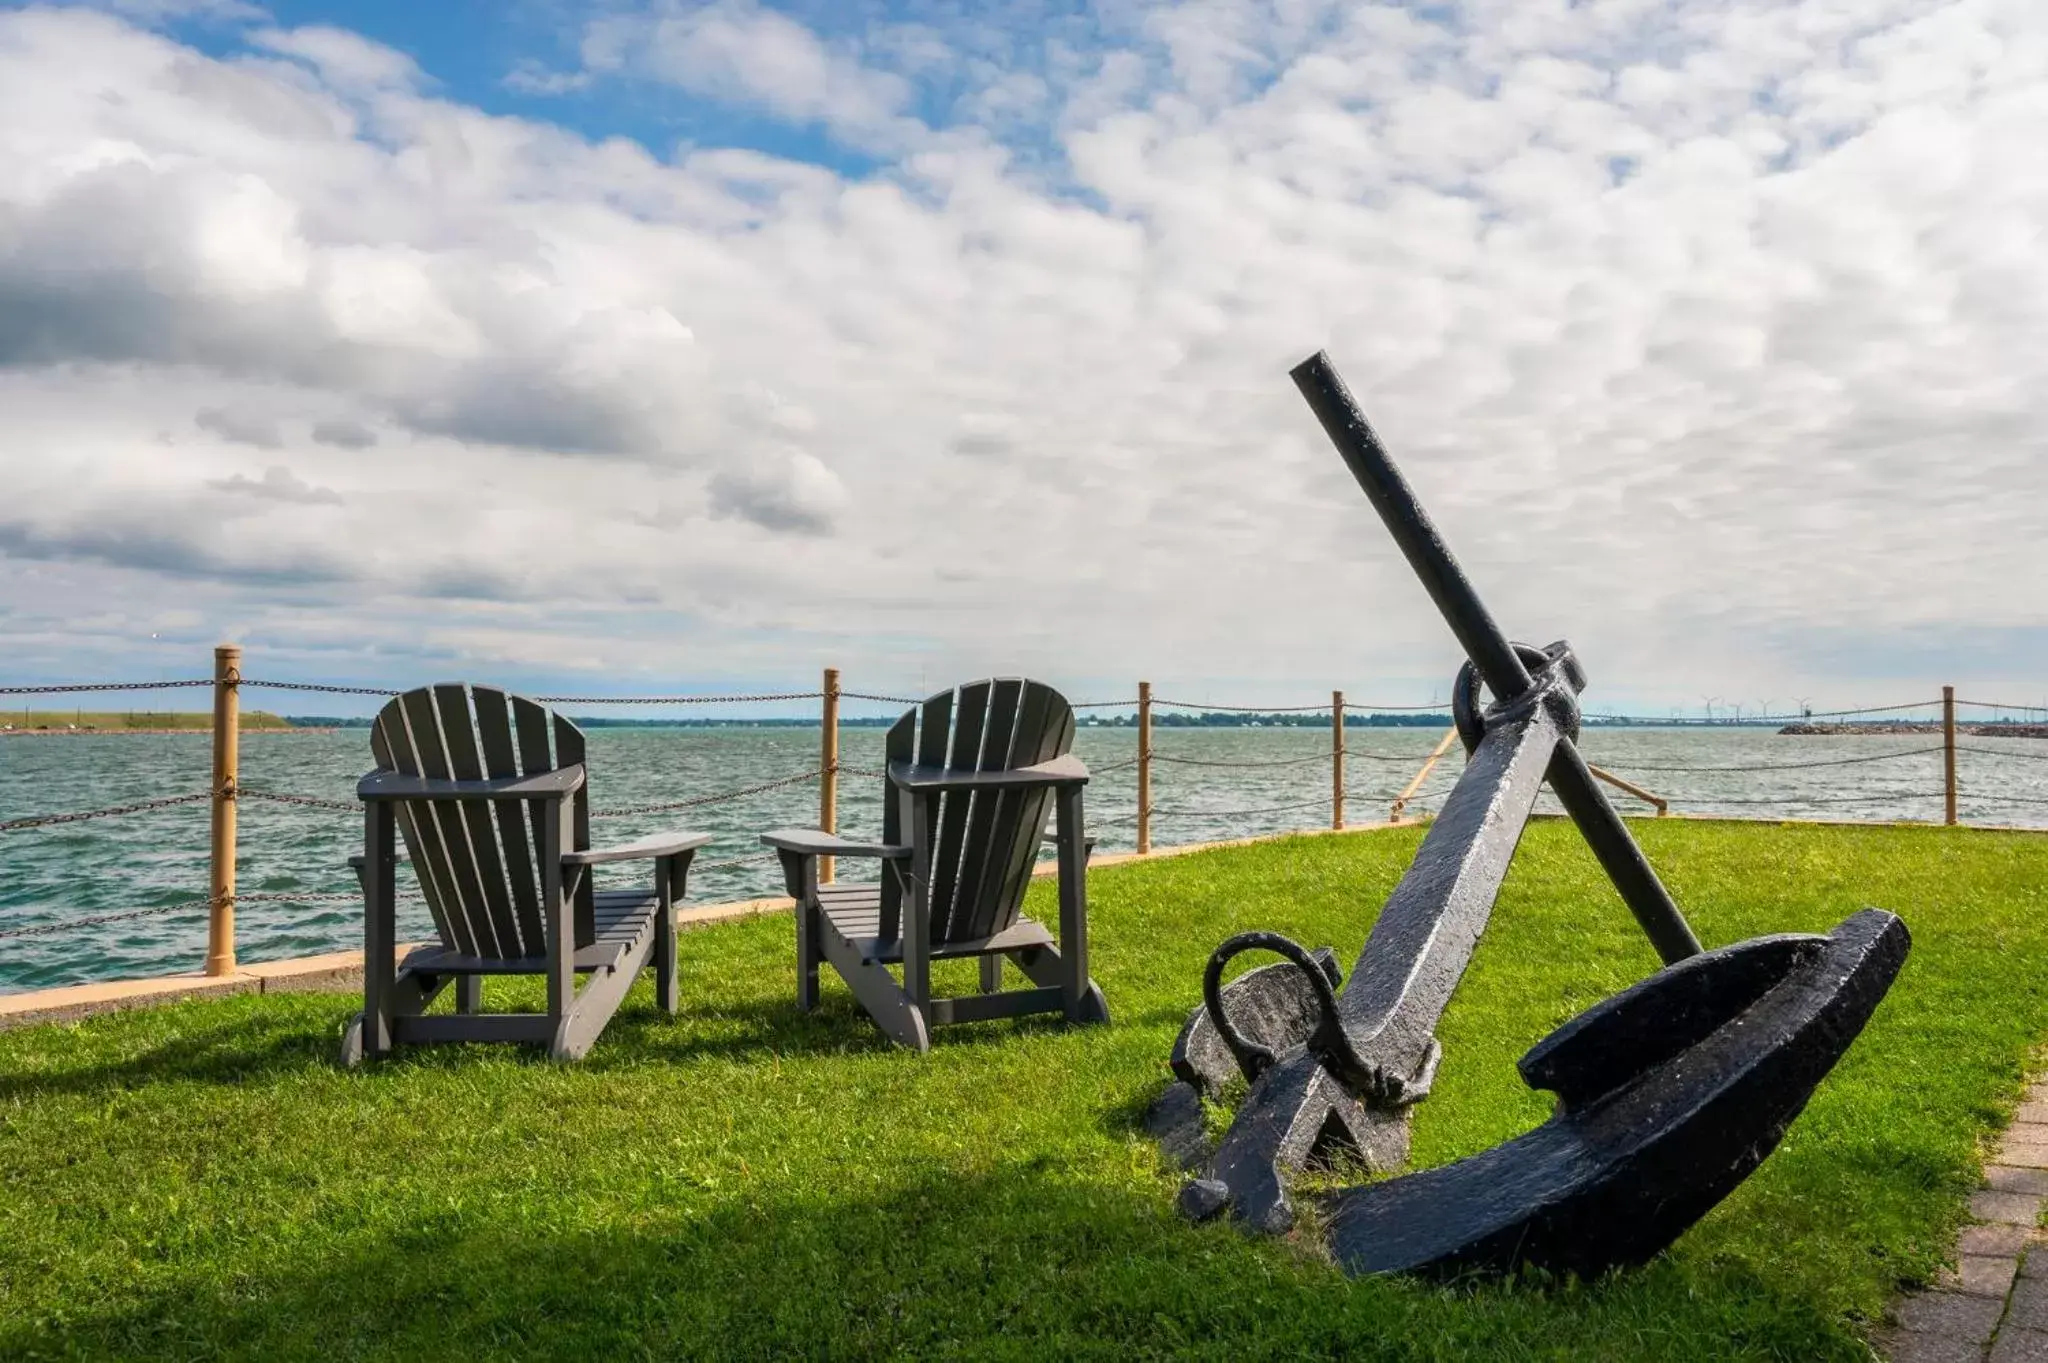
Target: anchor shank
[
  {"x": 1427, "y": 554},
  {"x": 1418, "y": 949},
  {"x": 1624, "y": 862}
]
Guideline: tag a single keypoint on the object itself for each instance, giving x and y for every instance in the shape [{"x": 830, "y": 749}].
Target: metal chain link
[
  {"x": 140, "y": 806},
  {"x": 1789, "y": 766},
  {"x": 317, "y": 686},
  {"x": 1203, "y": 762},
  {"x": 1235, "y": 813},
  {"x": 67, "y": 924},
  {"x": 701, "y": 800},
  {"x": 734, "y": 861},
  {"x": 101, "y": 686},
  {"x": 314, "y": 801},
  {"x": 679, "y": 700},
  {"x": 1804, "y": 799}
]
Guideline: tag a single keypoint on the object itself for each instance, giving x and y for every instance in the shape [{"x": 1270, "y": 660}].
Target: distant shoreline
[
  {"x": 68, "y": 732},
  {"x": 1918, "y": 726}
]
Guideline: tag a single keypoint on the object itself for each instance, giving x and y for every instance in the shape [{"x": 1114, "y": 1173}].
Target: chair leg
[
  {"x": 469, "y": 994},
  {"x": 991, "y": 974},
  {"x": 667, "y": 995},
  {"x": 808, "y": 927}
]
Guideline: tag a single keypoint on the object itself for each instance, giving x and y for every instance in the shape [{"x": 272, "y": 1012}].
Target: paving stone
[
  {"x": 2026, "y": 1133},
  {"x": 2011, "y": 1178},
  {"x": 2035, "y": 1264},
  {"x": 2035, "y": 1108},
  {"x": 2029, "y": 1306},
  {"x": 2005, "y": 1240},
  {"x": 1980, "y": 1275},
  {"x": 2016, "y": 1209},
  {"x": 2026, "y": 1153},
  {"x": 1950, "y": 1313},
  {"x": 2020, "y": 1346},
  {"x": 1904, "y": 1348}
]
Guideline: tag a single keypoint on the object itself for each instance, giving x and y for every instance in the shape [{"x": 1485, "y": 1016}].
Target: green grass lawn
[{"x": 201, "y": 1180}]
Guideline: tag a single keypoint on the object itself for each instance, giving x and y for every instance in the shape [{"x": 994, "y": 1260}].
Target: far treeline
[{"x": 136, "y": 721}]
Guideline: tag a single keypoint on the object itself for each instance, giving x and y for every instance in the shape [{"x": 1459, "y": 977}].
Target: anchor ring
[
  {"x": 1253, "y": 1058},
  {"x": 1466, "y": 713}
]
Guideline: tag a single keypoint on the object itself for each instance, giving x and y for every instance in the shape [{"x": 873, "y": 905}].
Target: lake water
[{"x": 1202, "y": 790}]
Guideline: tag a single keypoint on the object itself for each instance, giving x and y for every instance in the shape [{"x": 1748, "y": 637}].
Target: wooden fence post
[
  {"x": 1948, "y": 754},
  {"x": 1337, "y": 760},
  {"x": 828, "y": 763},
  {"x": 227, "y": 768},
  {"x": 1144, "y": 767}
]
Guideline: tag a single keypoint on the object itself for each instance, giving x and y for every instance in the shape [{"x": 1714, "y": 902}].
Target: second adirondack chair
[
  {"x": 972, "y": 777},
  {"x": 496, "y": 819}
]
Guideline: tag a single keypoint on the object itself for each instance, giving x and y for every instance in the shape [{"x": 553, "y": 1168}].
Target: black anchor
[{"x": 1669, "y": 1094}]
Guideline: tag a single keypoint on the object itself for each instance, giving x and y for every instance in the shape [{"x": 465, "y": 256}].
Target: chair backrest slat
[
  {"x": 478, "y": 861},
  {"x": 898, "y": 745},
  {"x": 391, "y": 745},
  {"x": 536, "y": 755},
  {"x": 569, "y": 751},
  {"x": 501, "y": 762},
  {"x": 948, "y": 862},
  {"x": 985, "y": 842},
  {"x": 446, "y": 844},
  {"x": 981, "y": 809},
  {"x": 1045, "y": 730},
  {"x": 497, "y": 929}
]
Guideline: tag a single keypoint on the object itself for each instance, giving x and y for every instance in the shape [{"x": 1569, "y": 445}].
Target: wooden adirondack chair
[
  {"x": 497, "y": 824},
  {"x": 971, "y": 778}
]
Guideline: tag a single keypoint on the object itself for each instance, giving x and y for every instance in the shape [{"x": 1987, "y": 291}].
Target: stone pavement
[{"x": 1994, "y": 1307}]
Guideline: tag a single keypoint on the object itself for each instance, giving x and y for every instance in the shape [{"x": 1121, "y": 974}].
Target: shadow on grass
[
  {"x": 205, "y": 1047},
  {"x": 1024, "y": 1261},
  {"x": 267, "y": 1043}
]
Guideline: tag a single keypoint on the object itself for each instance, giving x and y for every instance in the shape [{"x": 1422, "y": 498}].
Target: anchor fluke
[{"x": 1655, "y": 1139}]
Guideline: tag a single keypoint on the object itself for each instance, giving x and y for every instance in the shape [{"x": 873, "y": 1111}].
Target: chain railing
[{"x": 1204, "y": 810}]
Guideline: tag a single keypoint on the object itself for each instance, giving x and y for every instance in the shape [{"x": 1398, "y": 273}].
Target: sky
[{"x": 651, "y": 345}]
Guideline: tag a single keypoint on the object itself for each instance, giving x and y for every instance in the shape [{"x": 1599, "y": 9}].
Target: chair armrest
[
  {"x": 650, "y": 848},
  {"x": 1060, "y": 771},
  {"x": 357, "y": 863},
  {"x": 812, "y": 842},
  {"x": 391, "y": 785},
  {"x": 1087, "y": 843}
]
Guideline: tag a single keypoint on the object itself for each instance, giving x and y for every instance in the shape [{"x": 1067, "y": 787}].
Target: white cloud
[
  {"x": 1714, "y": 335},
  {"x": 747, "y": 54},
  {"x": 345, "y": 60}
]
